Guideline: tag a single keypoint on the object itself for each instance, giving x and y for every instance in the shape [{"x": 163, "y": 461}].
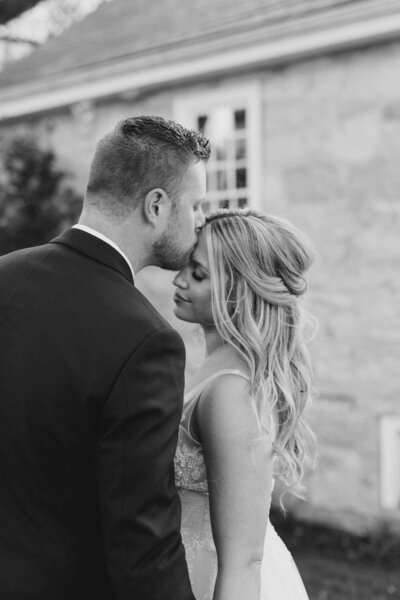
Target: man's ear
[{"x": 156, "y": 207}]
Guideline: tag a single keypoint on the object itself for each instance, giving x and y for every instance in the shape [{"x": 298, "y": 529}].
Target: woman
[{"x": 242, "y": 422}]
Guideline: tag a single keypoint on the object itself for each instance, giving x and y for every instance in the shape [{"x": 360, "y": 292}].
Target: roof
[{"x": 123, "y": 37}]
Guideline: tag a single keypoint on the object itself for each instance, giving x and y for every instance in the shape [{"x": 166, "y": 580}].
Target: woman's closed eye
[
  {"x": 199, "y": 273},
  {"x": 196, "y": 276}
]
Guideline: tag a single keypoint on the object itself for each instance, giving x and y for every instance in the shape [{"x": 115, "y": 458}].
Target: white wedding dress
[{"x": 280, "y": 579}]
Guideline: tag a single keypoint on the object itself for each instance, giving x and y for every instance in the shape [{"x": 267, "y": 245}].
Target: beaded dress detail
[{"x": 280, "y": 579}]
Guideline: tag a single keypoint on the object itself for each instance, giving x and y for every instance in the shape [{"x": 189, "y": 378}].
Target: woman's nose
[{"x": 179, "y": 279}]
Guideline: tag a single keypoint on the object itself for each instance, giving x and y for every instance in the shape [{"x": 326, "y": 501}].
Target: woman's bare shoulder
[{"x": 225, "y": 401}]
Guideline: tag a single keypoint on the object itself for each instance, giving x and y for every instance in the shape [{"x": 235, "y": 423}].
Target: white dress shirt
[{"x": 106, "y": 240}]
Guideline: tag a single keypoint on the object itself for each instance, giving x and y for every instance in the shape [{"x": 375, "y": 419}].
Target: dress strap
[
  {"x": 192, "y": 397},
  {"x": 202, "y": 384}
]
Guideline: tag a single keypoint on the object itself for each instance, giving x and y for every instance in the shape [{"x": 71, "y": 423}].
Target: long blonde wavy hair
[{"x": 257, "y": 266}]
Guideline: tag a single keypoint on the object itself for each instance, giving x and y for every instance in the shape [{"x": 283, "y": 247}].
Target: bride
[{"x": 242, "y": 423}]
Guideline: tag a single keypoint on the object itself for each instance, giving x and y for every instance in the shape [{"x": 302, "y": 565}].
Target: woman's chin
[{"x": 180, "y": 314}]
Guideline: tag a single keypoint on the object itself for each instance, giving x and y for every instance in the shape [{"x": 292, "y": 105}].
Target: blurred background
[{"x": 301, "y": 101}]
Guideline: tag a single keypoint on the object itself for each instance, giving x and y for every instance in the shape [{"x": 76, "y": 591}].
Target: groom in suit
[{"x": 91, "y": 382}]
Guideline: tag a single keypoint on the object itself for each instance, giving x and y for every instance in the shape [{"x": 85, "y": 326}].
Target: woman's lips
[{"x": 178, "y": 298}]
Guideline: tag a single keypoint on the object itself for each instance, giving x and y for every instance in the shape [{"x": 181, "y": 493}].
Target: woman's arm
[{"x": 240, "y": 475}]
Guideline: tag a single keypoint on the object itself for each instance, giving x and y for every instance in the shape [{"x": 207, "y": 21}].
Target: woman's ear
[{"x": 157, "y": 207}]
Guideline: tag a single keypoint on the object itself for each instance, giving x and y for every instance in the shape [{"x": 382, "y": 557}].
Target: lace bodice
[{"x": 190, "y": 468}]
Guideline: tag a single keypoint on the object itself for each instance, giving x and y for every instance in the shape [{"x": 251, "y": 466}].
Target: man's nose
[{"x": 200, "y": 220}]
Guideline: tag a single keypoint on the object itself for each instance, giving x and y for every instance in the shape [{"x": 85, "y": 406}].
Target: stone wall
[
  {"x": 332, "y": 134},
  {"x": 331, "y": 131}
]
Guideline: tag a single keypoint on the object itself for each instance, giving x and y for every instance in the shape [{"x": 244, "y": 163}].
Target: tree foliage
[
  {"x": 25, "y": 24},
  {"x": 35, "y": 201},
  {"x": 10, "y": 9}
]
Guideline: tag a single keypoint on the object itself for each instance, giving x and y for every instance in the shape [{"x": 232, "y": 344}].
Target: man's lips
[{"x": 178, "y": 298}]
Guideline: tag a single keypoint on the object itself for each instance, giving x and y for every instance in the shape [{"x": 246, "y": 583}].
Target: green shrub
[{"x": 35, "y": 202}]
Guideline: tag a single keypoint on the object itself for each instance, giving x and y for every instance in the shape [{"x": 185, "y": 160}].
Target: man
[{"x": 91, "y": 382}]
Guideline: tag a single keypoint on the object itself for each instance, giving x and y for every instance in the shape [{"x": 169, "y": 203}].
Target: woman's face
[{"x": 193, "y": 295}]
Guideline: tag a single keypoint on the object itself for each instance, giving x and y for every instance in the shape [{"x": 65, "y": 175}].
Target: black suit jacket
[{"x": 91, "y": 386}]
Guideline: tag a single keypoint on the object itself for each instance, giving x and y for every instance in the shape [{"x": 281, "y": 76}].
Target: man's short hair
[{"x": 140, "y": 154}]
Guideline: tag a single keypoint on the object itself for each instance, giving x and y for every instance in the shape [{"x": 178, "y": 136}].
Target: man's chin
[{"x": 175, "y": 263}]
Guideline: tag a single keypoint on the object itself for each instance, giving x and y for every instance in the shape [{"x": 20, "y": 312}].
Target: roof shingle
[
  {"x": 140, "y": 29},
  {"x": 131, "y": 45}
]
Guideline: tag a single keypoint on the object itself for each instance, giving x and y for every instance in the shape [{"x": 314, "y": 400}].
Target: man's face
[{"x": 177, "y": 242}]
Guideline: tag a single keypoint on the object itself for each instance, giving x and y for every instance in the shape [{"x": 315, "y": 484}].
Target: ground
[{"x": 337, "y": 565}]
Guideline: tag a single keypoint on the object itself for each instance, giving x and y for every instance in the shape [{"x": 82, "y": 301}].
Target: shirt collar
[{"x": 106, "y": 240}]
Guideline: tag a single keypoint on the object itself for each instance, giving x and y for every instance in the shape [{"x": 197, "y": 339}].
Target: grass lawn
[
  {"x": 334, "y": 579},
  {"x": 337, "y": 565}
]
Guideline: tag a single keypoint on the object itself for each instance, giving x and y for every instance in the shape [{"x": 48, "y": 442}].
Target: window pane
[
  {"x": 205, "y": 207},
  {"x": 240, "y": 119},
  {"x": 231, "y": 149},
  {"x": 222, "y": 183},
  {"x": 231, "y": 173},
  {"x": 223, "y": 204},
  {"x": 242, "y": 202},
  {"x": 240, "y": 150},
  {"x": 220, "y": 125},
  {"x": 220, "y": 152},
  {"x": 211, "y": 180},
  {"x": 241, "y": 178},
  {"x": 201, "y": 123}
]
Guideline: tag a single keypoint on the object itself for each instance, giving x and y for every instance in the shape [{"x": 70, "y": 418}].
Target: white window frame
[
  {"x": 389, "y": 436},
  {"x": 246, "y": 95}
]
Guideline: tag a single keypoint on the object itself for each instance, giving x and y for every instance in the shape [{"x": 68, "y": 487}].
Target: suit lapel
[{"x": 96, "y": 248}]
